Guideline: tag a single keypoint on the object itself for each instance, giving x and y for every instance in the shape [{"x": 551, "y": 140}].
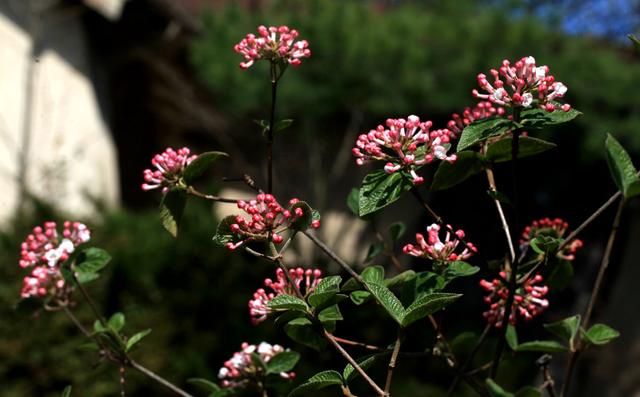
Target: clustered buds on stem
[
  {"x": 241, "y": 370},
  {"x": 522, "y": 85},
  {"x": 482, "y": 110},
  {"x": 259, "y": 306},
  {"x": 528, "y": 300},
  {"x": 45, "y": 250},
  {"x": 273, "y": 44},
  {"x": 267, "y": 220},
  {"x": 169, "y": 167},
  {"x": 404, "y": 145},
  {"x": 440, "y": 252},
  {"x": 553, "y": 228}
]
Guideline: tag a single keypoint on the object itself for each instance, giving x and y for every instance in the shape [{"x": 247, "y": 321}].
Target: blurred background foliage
[{"x": 371, "y": 61}]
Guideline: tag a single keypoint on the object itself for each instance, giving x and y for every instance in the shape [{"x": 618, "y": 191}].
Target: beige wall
[{"x": 69, "y": 152}]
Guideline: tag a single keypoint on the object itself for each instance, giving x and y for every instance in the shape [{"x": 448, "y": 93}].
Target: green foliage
[
  {"x": 480, "y": 130},
  {"x": 283, "y": 362},
  {"x": 567, "y": 329},
  {"x": 66, "y": 392},
  {"x": 318, "y": 381},
  {"x": 349, "y": 373},
  {"x": 500, "y": 150},
  {"x": 135, "y": 339},
  {"x": 622, "y": 170},
  {"x": 288, "y": 302},
  {"x": 172, "y": 209},
  {"x": 449, "y": 174},
  {"x": 224, "y": 234},
  {"x": 380, "y": 189},
  {"x": 303, "y": 222},
  {"x": 600, "y": 334},
  {"x": 549, "y": 346},
  {"x": 539, "y": 118},
  {"x": 198, "y": 166}
]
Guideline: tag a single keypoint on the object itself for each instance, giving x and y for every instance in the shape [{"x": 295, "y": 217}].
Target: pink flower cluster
[
  {"x": 441, "y": 252},
  {"x": 482, "y": 110},
  {"x": 169, "y": 167},
  {"x": 554, "y": 228},
  {"x": 259, "y": 306},
  {"x": 45, "y": 250},
  {"x": 528, "y": 300},
  {"x": 522, "y": 85},
  {"x": 241, "y": 370},
  {"x": 273, "y": 43},
  {"x": 404, "y": 144},
  {"x": 266, "y": 215}
]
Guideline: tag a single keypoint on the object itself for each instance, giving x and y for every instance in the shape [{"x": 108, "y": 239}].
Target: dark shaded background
[{"x": 167, "y": 76}]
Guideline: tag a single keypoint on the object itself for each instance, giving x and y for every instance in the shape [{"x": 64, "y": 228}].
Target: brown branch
[
  {"x": 392, "y": 361},
  {"x": 333, "y": 256},
  {"x": 210, "y": 197},
  {"x": 272, "y": 120},
  {"x": 354, "y": 364},
  {"x": 503, "y": 219},
  {"x": 573, "y": 357},
  {"x": 159, "y": 379}
]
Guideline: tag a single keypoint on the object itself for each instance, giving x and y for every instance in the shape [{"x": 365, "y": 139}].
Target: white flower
[{"x": 527, "y": 99}]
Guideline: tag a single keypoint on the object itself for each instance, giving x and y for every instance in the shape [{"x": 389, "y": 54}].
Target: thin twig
[
  {"x": 549, "y": 383},
  {"x": 591, "y": 218},
  {"x": 508, "y": 308},
  {"x": 333, "y": 256},
  {"x": 358, "y": 344},
  {"x": 159, "y": 379},
  {"x": 272, "y": 117},
  {"x": 355, "y": 365},
  {"x": 469, "y": 359},
  {"x": 503, "y": 219},
  {"x": 77, "y": 323},
  {"x": 89, "y": 300},
  {"x": 210, "y": 197},
  {"x": 573, "y": 357},
  {"x": 392, "y": 361}
]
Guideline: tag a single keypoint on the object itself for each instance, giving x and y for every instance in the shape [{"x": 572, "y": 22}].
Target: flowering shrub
[{"x": 306, "y": 302}]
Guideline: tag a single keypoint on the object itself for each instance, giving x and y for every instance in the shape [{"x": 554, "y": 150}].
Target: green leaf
[
  {"x": 288, "y": 302},
  {"x": 495, "y": 390},
  {"x": 352, "y": 201},
  {"x": 426, "y": 305},
  {"x": 539, "y": 118},
  {"x": 359, "y": 297},
  {"x": 449, "y": 174},
  {"x": 98, "y": 327},
  {"x": 91, "y": 260},
  {"x": 387, "y": 299},
  {"x": 560, "y": 276},
  {"x": 480, "y": 130},
  {"x": 397, "y": 230},
  {"x": 224, "y": 234},
  {"x": 500, "y": 151},
  {"x": 302, "y": 331},
  {"x": 380, "y": 189},
  {"x": 198, "y": 166},
  {"x": 374, "y": 250},
  {"x": 318, "y": 381},
  {"x": 545, "y": 245},
  {"x": 66, "y": 392},
  {"x": 349, "y": 373},
  {"x": 459, "y": 269},
  {"x": 331, "y": 313},
  {"x": 331, "y": 283},
  {"x": 400, "y": 279},
  {"x": 304, "y": 222},
  {"x": 635, "y": 41},
  {"x": 501, "y": 197},
  {"x": 600, "y": 334},
  {"x": 171, "y": 210},
  {"x": 622, "y": 170},
  {"x": 512, "y": 337},
  {"x": 528, "y": 391},
  {"x": 204, "y": 384},
  {"x": 282, "y": 125},
  {"x": 326, "y": 293},
  {"x": 282, "y": 362},
  {"x": 136, "y": 338},
  {"x": 566, "y": 329},
  {"x": 373, "y": 274},
  {"x": 549, "y": 346},
  {"x": 116, "y": 322},
  {"x": 224, "y": 392}
]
